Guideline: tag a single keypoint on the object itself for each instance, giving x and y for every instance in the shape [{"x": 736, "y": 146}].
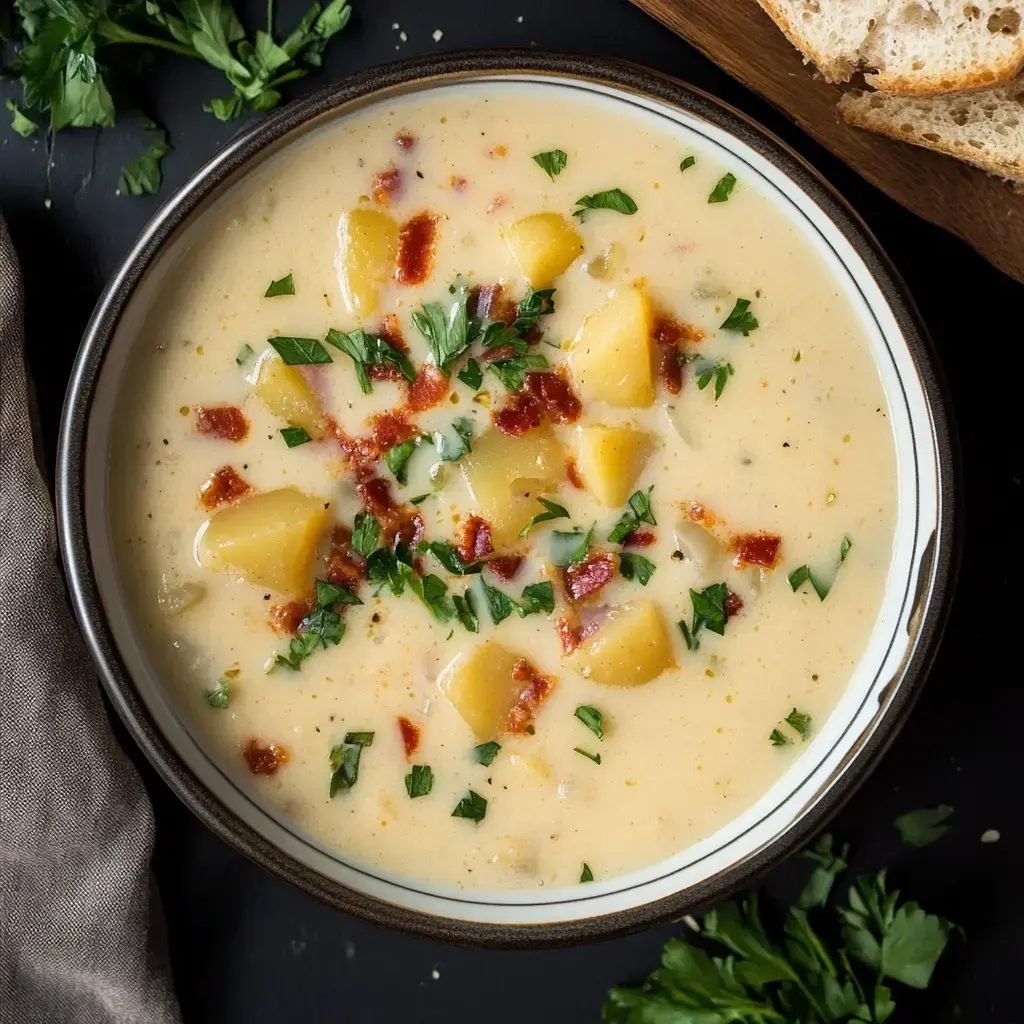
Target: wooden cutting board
[{"x": 743, "y": 40}]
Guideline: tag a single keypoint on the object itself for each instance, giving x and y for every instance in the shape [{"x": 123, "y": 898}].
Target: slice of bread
[
  {"x": 908, "y": 46},
  {"x": 983, "y": 128}
]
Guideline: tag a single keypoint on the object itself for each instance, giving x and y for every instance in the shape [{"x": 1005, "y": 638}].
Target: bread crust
[
  {"x": 934, "y": 85},
  {"x": 835, "y": 70}
]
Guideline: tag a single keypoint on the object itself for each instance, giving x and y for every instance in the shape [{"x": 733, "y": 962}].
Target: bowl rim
[{"x": 934, "y": 585}]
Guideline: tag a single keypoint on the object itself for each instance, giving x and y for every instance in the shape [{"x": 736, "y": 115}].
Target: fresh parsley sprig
[
  {"x": 448, "y": 331},
  {"x": 638, "y": 511},
  {"x": 611, "y": 199},
  {"x": 708, "y": 613},
  {"x": 369, "y": 350},
  {"x": 322, "y": 627},
  {"x": 804, "y": 574}
]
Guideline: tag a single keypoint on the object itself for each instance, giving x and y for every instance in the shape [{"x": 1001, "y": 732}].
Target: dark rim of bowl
[{"x": 936, "y": 572}]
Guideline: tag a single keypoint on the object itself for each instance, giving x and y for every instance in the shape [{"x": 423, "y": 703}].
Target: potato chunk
[
  {"x": 611, "y": 353},
  {"x": 543, "y": 244},
  {"x": 285, "y": 393},
  {"x": 501, "y": 471},
  {"x": 633, "y": 647},
  {"x": 482, "y": 687},
  {"x": 611, "y": 459},
  {"x": 269, "y": 539},
  {"x": 367, "y": 248}
]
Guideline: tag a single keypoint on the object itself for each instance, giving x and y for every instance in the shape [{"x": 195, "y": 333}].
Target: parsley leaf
[
  {"x": 344, "y": 762},
  {"x": 687, "y": 163},
  {"x": 365, "y": 534},
  {"x": 499, "y": 335},
  {"x": 803, "y": 574},
  {"x": 708, "y": 612},
  {"x": 596, "y": 758},
  {"x": 828, "y": 865},
  {"x": 499, "y": 605},
  {"x": 391, "y": 569},
  {"x": 283, "y": 286},
  {"x": 552, "y": 511},
  {"x": 20, "y": 122},
  {"x": 586, "y": 875},
  {"x": 720, "y": 372},
  {"x": 447, "y": 333},
  {"x": 362, "y": 739},
  {"x": 472, "y": 806},
  {"x": 552, "y": 162},
  {"x": 244, "y": 355},
  {"x": 299, "y": 351},
  {"x": 433, "y": 592},
  {"x": 369, "y": 350},
  {"x": 778, "y": 739},
  {"x": 799, "y": 722},
  {"x": 636, "y": 567},
  {"x": 447, "y": 554},
  {"x": 919, "y": 828},
  {"x": 511, "y": 371},
  {"x": 536, "y": 304},
  {"x": 741, "y": 319},
  {"x": 538, "y": 597},
  {"x": 397, "y": 457},
  {"x": 723, "y": 189},
  {"x": 592, "y": 718},
  {"x": 570, "y": 548},
  {"x": 452, "y": 451},
  {"x": 218, "y": 696},
  {"x": 485, "y": 753},
  {"x": 329, "y": 594},
  {"x": 638, "y": 511},
  {"x": 465, "y": 610},
  {"x": 471, "y": 375},
  {"x": 321, "y": 627},
  {"x": 419, "y": 781},
  {"x": 613, "y": 199},
  {"x": 294, "y": 436},
  {"x": 143, "y": 174}
]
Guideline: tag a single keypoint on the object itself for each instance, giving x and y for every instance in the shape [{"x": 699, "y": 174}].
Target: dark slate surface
[{"x": 247, "y": 947}]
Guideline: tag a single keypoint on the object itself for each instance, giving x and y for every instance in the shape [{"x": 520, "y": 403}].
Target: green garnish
[
  {"x": 447, "y": 554},
  {"x": 499, "y": 335},
  {"x": 741, "y": 319},
  {"x": 329, "y": 594},
  {"x": 485, "y": 753},
  {"x": 828, "y": 865},
  {"x": 511, "y": 371},
  {"x": 708, "y": 612},
  {"x": 365, "y": 534},
  {"x": 687, "y": 163},
  {"x": 344, "y": 761},
  {"x": 218, "y": 696},
  {"x": 449, "y": 450},
  {"x": 592, "y": 718},
  {"x": 419, "y": 781},
  {"x": 433, "y": 592},
  {"x": 723, "y": 189},
  {"x": 537, "y": 597},
  {"x": 397, "y": 457},
  {"x": 299, "y": 351},
  {"x": 20, "y": 122},
  {"x": 552, "y": 510},
  {"x": 499, "y": 605},
  {"x": 321, "y": 627},
  {"x": 536, "y": 304},
  {"x": 283, "y": 286},
  {"x": 294, "y": 436},
  {"x": 803, "y": 574},
  {"x": 636, "y": 567},
  {"x": 779, "y": 739},
  {"x": 552, "y": 162},
  {"x": 465, "y": 610},
  {"x": 244, "y": 355},
  {"x": 447, "y": 333},
  {"x": 360, "y": 739},
  {"x": 143, "y": 174},
  {"x": 570, "y": 548},
  {"x": 720, "y": 371},
  {"x": 919, "y": 828},
  {"x": 472, "y": 806},
  {"x": 471, "y": 375},
  {"x": 596, "y": 758},
  {"x": 586, "y": 875},
  {"x": 419, "y": 499},
  {"x": 613, "y": 199},
  {"x": 391, "y": 569},
  {"x": 638, "y": 511},
  {"x": 369, "y": 350},
  {"x": 799, "y": 722}
]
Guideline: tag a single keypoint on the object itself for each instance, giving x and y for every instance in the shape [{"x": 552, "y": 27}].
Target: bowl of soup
[{"x": 509, "y": 497}]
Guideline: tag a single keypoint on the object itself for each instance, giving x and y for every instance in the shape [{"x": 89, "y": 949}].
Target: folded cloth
[{"x": 80, "y": 931}]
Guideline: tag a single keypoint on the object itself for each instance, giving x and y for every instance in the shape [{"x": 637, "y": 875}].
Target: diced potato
[
  {"x": 482, "y": 689},
  {"x": 611, "y": 353},
  {"x": 543, "y": 244},
  {"x": 269, "y": 539},
  {"x": 633, "y": 647},
  {"x": 700, "y": 546},
  {"x": 367, "y": 248},
  {"x": 505, "y": 474},
  {"x": 285, "y": 392},
  {"x": 611, "y": 459}
]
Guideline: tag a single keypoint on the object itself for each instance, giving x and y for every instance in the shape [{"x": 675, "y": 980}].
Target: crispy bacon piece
[
  {"x": 473, "y": 539},
  {"x": 543, "y": 394},
  {"x": 697, "y": 513},
  {"x": 756, "y": 549},
  {"x": 588, "y": 577},
  {"x": 427, "y": 390},
  {"x": 523, "y": 412},
  {"x": 405, "y": 140},
  {"x": 572, "y": 473},
  {"x": 391, "y": 331},
  {"x": 400, "y": 524},
  {"x": 505, "y": 567},
  {"x": 345, "y": 566},
  {"x": 416, "y": 244},
  {"x": 496, "y": 203},
  {"x": 488, "y": 301},
  {"x": 387, "y": 186},
  {"x": 224, "y": 421},
  {"x": 360, "y": 451},
  {"x": 391, "y": 428},
  {"x": 264, "y": 760},
  {"x": 733, "y": 605},
  {"x": 568, "y": 634},
  {"x": 535, "y": 690},
  {"x": 286, "y": 618},
  {"x": 225, "y": 485},
  {"x": 639, "y": 539},
  {"x": 667, "y": 333},
  {"x": 410, "y": 735}
]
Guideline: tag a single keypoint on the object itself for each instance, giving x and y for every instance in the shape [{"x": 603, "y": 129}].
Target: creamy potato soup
[{"x": 504, "y": 488}]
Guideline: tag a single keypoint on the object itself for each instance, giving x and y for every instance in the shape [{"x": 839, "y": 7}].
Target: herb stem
[
  {"x": 270, "y": 18},
  {"x": 110, "y": 32}
]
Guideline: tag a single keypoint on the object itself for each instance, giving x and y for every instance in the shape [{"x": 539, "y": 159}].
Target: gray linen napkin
[{"x": 78, "y": 939}]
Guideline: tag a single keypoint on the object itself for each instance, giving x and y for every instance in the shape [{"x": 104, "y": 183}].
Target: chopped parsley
[
  {"x": 613, "y": 199},
  {"x": 452, "y": 450},
  {"x": 397, "y": 458},
  {"x": 471, "y": 375},
  {"x": 919, "y": 828},
  {"x": 512, "y": 370},
  {"x": 485, "y": 753},
  {"x": 536, "y": 304},
  {"x": 465, "y": 610},
  {"x": 552, "y": 162},
  {"x": 596, "y": 758},
  {"x": 552, "y": 510},
  {"x": 447, "y": 333},
  {"x": 636, "y": 567},
  {"x": 244, "y": 355},
  {"x": 321, "y": 627},
  {"x": 720, "y": 372},
  {"x": 360, "y": 739},
  {"x": 687, "y": 163},
  {"x": 218, "y": 696},
  {"x": 365, "y": 534},
  {"x": 723, "y": 189},
  {"x": 708, "y": 612},
  {"x": 344, "y": 761},
  {"x": 447, "y": 554},
  {"x": 472, "y": 806},
  {"x": 329, "y": 594},
  {"x": 499, "y": 605},
  {"x": 779, "y": 739},
  {"x": 391, "y": 569},
  {"x": 799, "y": 722},
  {"x": 537, "y": 597},
  {"x": 803, "y": 574},
  {"x": 638, "y": 511},
  {"x": 284, "y": 286},
  {"x": 419, "y": 499},
  {"x": 592, "y": 718},
  {"x": 741, "y": 319},
  {"x": 433, "y": 592},
  {"x": 419, "y": 781},
  {"x": 369, "y": 350},
  {"x": 294, "y": 436},
  {"x": 22, "y": 123},
  {"x": 299, "y": 351},
  {"x": 143, "y": 174},
  {"x": 586, "y": 875},
  {"x": 569, "y": 548}
]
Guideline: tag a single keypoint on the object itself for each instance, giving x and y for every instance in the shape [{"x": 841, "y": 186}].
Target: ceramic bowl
[{"x": 884, "y": 684}]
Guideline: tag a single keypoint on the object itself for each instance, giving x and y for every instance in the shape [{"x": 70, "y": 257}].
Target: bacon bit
[
  {"x": 543, "y": 394},
  {"x": 496, "y": 203},
  {"x": 264, "y": 760},
  {"x": 505, "y": 567},
  {"x": 360, "y": 451},
  {"x": 387, "y": 186},
  {"x": 390, "y": 330},
  {"x": 522, "y": 413},
  {"x": 639, "y": 539},
  {"x": 586, "y": 578},
  {"x": 405, "y": 140},
  {"x": 532, "y": 696},
  {"x": 697, "y": 513},
  {"x": 224, "y": 421},
  {"x": 391, "y": 428},
  {"x": 497, "y": 152},
  {"x": 488, "y": 302},
  {"x": 459, "y": 183},
  {"x": 416, "y": 243},
  {"x": 667, "y": 332},
  {"x": 473, "y": 539},
  {"x": 400, "y": 524},
  {"x": 427, "y": 390},
  {"x": 572, "y": 473},
  {"x": 225, "y": 485},
  {"x": 572, "y": 631},
  {"x": 345, "y": 566},
  {"x": 286, "y": 618},
  {"x": 410, "y": 735},
  {"x": 733, "y": 605},
  {"x": 756, "y": 549},
  {"x": 491, "y": 355}
]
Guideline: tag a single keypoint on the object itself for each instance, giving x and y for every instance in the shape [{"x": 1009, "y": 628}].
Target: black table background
[{"x": 248, "y": 947}]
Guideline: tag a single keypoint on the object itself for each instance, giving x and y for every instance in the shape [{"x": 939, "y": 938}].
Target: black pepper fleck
[
  {"x": 785, "y": 444},
  {"x": 419, "y": 174},
  {"x": 679, "y": 556}
]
